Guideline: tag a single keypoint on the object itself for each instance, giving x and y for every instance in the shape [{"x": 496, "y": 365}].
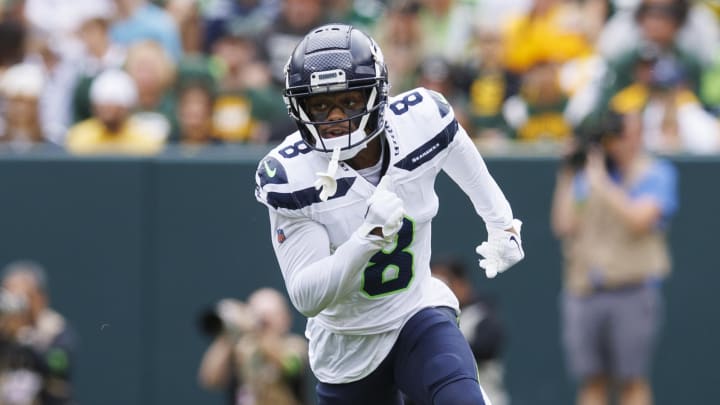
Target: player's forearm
[
  {"x": 216, "y": 363},
  {"x": 466, "y": 167},
  {"x": 639, "y": 216},
  {"x": 316, "y": 286}
]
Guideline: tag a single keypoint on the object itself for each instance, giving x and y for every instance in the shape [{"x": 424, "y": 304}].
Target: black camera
[
  {"x": 591, "y": 134},
  {"x": 228, "y": 315},
  {"x": 209, "y": 322}
]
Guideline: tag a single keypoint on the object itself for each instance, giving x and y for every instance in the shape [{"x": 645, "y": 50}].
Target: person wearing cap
[
  {"x": 99, "y": 53},
  {"x": 113, "y": 95},
  {"x": 21, "y": 86}
]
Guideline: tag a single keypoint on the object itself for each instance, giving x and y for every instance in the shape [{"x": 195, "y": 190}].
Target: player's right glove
[
  {"x": 385, "y": 211},
  {"x": 502, "y": 250}
]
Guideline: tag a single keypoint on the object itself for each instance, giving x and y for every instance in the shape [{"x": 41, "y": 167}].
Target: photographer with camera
[
  {"x": 611, "y": 209},
  {"x": 36, "y": 342},
  {"x": 253, "y": 355}
]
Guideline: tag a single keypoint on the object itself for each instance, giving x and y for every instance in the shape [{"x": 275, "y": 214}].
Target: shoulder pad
[
  {"x": 285, "y": 177},
  {"x": 442, "y": 104},
  {"x": 423, "y": 102},
  {"x": 271, "y": 171},
  {"x": 425, "y": 125},
  {"x": 286, "y": 163}
]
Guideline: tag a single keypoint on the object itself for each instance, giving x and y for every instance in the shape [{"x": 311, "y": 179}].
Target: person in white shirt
[{"x": 350, "y": 197}]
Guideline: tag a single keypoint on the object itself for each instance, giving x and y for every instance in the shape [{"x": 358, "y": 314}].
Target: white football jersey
[{"x": 357, "y": 292}]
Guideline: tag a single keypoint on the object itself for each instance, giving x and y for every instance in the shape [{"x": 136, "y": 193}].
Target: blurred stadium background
[{"x": 140, "y": 236}]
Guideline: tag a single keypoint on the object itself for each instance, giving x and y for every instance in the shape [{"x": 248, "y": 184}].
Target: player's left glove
[{"x": 502, "y": 250}]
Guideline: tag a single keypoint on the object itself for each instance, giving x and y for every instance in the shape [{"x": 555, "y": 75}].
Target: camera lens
[{"x": 210, "y": 323}]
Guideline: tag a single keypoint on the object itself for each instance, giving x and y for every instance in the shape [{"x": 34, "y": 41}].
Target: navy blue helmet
[{"x": 330, "y": 59}]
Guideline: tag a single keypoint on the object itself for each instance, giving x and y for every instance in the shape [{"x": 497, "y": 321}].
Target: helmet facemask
[{"x": 361, "y": 125}]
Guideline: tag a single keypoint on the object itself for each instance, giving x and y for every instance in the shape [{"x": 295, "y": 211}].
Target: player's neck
[{"x": 369, "y": 156}]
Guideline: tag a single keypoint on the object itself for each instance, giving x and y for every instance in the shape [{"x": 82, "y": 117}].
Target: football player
[{"x": 351, "y": 199}]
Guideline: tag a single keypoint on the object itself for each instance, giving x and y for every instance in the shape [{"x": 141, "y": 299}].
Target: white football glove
[
  {"x": 502, "y": 250},
  {"x": 385, "y": 210}
]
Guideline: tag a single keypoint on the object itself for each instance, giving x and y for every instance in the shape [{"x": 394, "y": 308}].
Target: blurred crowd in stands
[{"x": 132, "y": 76}]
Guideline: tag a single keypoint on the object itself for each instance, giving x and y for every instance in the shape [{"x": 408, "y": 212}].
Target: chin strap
[{"x": 326, "y": 180}]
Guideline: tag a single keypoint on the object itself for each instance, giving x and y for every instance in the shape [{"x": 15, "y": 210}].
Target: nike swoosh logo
[
  {"x": 512, "y": 239},
  {"x": 270, "y": 172}
]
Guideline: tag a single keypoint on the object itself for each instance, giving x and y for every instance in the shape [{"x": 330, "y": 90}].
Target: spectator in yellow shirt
[
  {"x": 551, "y": 31},
  {"x": 111, "y": 129}
]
